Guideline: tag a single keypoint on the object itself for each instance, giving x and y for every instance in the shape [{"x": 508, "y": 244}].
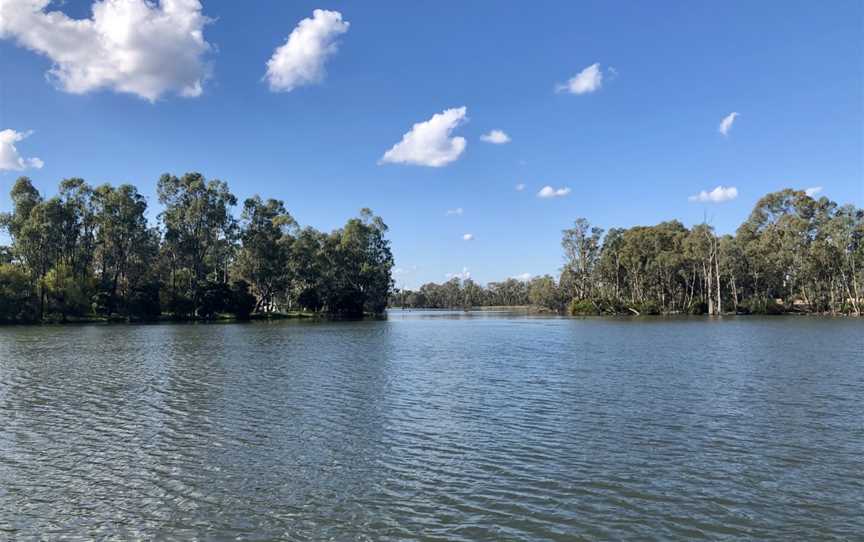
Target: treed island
[{"x": 90, "y": 253}]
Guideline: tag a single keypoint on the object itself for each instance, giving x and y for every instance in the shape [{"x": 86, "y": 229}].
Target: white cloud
[
  {"x": 10, "y": 158},
  {"x": 464, "y": 275},
  {"x": 520, "y": 187},
  {"x": 301, "y": 60},
  {"x": 133, "y": 46},
  {"x": 727, "y": 122},
  {"x": 457, "y": 211},
  {"x": 498, "y": 137},
  {"x": 720, "y": 194},
  {"x": 524, "y": 277},
  {"x": 404, "y": 270},
  {"x": 468, "y": 237},
  {"x": 588, "y": 80},
  {"x": 429, "y": 143},
  {"x": 813, "y": 190},
  {"x": 549, "y": 192}
]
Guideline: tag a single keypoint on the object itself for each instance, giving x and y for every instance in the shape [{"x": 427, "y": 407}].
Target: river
[{"x": 435, "y": 426}]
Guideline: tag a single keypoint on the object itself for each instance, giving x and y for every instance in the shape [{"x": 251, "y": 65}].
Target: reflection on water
[{"x": 435, "y": 426}]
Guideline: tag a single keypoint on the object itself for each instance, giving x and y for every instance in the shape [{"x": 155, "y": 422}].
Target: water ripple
[{"x": 435, "y": 427}]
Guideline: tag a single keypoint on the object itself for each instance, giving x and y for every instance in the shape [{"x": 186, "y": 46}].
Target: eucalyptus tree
[
  {"x": 199, "y": 231},
  {"x": 581, "y": 245},
  {"x": 266, "y": 235},
  {"x": 361, "y": 263},
  {"x": 125, "y": 247}
]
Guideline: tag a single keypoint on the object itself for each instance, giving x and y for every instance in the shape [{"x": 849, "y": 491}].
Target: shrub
[
  {"x": 18, "y": 301},
  {"x": 582, "y": 307},
  {"x": 242, "y": 301}
]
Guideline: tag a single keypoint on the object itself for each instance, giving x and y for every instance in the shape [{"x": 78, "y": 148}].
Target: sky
[{"x": 477, "y": 132}]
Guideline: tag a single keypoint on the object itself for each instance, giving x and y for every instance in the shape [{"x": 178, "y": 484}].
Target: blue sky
[{"x": 632, "y": 151}]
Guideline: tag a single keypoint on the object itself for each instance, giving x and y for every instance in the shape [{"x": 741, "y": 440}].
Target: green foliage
[
  {"x": 697, "y": 307},
  {"x": 242, "y": 300},
  {"x": 90, "y": 252},
  {"x": 143, "y": 303},
  {"x": 648, "y": 308},
  {"x": 808, "y": 253},
  {"x": 544, "y": 292},
  {"x": 67, "y": 295},
  {"x": 216, "y": 297},
  {"x": 582, "y": 307},
  {"x": 18, "y": 302}
]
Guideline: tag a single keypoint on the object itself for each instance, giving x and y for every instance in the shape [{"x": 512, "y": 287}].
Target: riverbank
[
  {"x": 168, "y": 319},
  {"x": 631, "y": 312}
]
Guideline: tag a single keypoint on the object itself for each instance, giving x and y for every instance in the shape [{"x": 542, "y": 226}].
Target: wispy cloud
[
  {"x": 429, "y": 143},
  {"x": 10, "y": 158},
  {"x": 588, "y": 80},
  {"x": 457, "y": 211},
  {"x": 727, "y": 122},
  {"x": 300, "y": 61},
  {"x": 520, "y": 187},
  {"x": 721, "y": 194},
  {"x": 468, "y": 237},
  {"x": 134, "y": 46},
  {"x": 813, "y": 190},
  {"x": 498, "y": 137},
  {"x": 464, "y": 275},
  {"x": 549, "y": 192}
]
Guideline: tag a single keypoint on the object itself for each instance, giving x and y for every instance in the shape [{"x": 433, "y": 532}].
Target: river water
[{"x": 435, "y": 426}]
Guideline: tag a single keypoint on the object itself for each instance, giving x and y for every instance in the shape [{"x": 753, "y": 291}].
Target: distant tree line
[
  {"x": 793, "y": 253},
  {"x": 91, "y": 252}
]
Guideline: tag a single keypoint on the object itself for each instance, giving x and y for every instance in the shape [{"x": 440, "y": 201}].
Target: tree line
[
  {"x": 793, "y": 253},
  {"x": 90, "y": 252}
]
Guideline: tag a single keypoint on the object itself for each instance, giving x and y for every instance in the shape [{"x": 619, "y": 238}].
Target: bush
[
  {"x": 216, "y": 297},
  {"x": 648, "y": 308},
  {"x": 179, "y": 305},
  {"x": 18, "y": 301},
  {"x": 762, "y": 306},
  {"x": 144, "y": 302},
  {"x": 242, "y": 300},
  {"x": 698, "y": 307},
  {"x": 582, "y": 307},
  {"x": 67, "y": 295}
]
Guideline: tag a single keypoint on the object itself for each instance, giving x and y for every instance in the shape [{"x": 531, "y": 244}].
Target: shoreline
[{"x": 517, "y": 309}]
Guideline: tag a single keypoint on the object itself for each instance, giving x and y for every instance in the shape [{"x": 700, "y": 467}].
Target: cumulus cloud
[
  {"x": 498, "y": 137},
  {"x": 301, "y": 60},
  {"x": 10, "y": 158},
  {"x": 429, "y": 143},
  {"x": 464, "y": 275},
  {"x": 133, "y": 46},
  {"x": 524, "y": 277},
  {"x": 813, "y": 190},
  {"x": 549, "y": 192},
  {"x": 720, "y": 194},
  {"x": 457, "y": 211},
  {"x": 727, "y": 122},
  {"x": 468, "y": 237},
  {"x": 520, "y": 187},
  {"x": 588, "y": 80}
]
